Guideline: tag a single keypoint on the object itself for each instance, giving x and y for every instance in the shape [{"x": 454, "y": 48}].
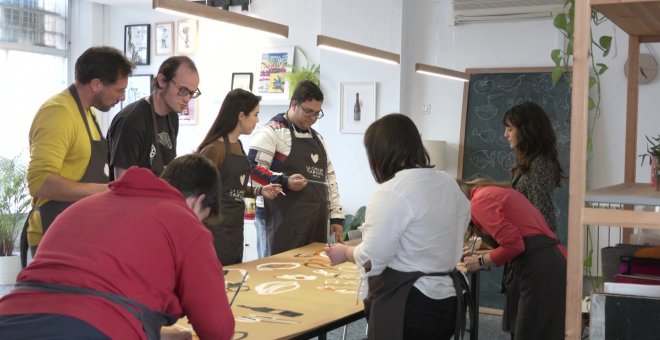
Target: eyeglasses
[
  {"x": 184, "y": 92},
  {"x": 309, "y": 112}
]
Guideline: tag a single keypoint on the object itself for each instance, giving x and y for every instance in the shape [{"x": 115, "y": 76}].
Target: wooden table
[{"x": 295, "y": 294}]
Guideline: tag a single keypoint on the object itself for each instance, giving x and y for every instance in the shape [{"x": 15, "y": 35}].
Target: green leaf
[
  {"x": 556, "y": 56},
  {"x": 569, "y": 48},
  {"x": 556, "y": 74},
  {"x": 560, "y": 21},
  {"x": 601, "y": 68},
  {"x": 592, "y": 81},
  {"x": 591, "y": 104},
  {"x": 605, "y": 43}
]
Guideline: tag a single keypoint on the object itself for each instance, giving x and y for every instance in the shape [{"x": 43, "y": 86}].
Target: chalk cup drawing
[
  {"x": 139, "y": 86},
  {"x": 271, "y": 84},
  {"x": 136, "y": 43},
  {"x": 186, "y": 36},
  {"x": 358, "y": 106},
  {"x": 164, "y": 38}
]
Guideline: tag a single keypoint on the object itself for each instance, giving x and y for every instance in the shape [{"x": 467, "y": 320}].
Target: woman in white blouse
[{"x": 412, "y": 238}]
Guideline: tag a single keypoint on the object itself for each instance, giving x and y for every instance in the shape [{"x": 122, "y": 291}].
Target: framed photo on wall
[
  {"x": 189, "y": 116},
  {"x": 241, "y": 80},
  {"x": 358, "y": 106},
  {"x": 186, "y": 36},
  {"x": 273, "y": 64},
  {"x": 164, "y": 38},
  {"x": 136, "y": 43},
  {"x": 139, "y": 86}
]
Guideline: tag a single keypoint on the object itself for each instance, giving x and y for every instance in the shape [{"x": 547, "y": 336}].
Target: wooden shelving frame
[{"x": 641, "y": 20}]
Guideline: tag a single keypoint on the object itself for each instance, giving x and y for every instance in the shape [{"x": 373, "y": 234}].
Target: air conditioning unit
[{"x": 466, "y": 11}]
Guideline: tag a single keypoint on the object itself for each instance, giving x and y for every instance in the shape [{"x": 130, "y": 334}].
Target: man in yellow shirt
[{"x": 68, "y": 154}]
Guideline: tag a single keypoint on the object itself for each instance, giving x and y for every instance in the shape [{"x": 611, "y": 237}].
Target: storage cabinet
[{"x": 641, "y": 20}]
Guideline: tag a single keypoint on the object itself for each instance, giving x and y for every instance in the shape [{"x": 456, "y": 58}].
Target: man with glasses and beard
[
  {"x": 289, "y": 152},
  {"x": 68, "y": 154},
  {"x": 144, "y": 133}
]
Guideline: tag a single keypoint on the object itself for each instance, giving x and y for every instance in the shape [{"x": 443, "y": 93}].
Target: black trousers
[
  {"x": 427, "y": 318},
  {"x": 47, "y": 326}
]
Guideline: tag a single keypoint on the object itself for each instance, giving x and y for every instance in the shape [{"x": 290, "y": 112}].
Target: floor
[
  {"x": 489, "y": 329},
  {"x": 489, "y": 325}
]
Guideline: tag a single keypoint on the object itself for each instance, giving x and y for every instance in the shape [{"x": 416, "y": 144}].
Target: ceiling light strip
[
  {"x": 357, "y": 50},
  {"x": 209, "y": 12},
  {"x": 441, "y": 72}
]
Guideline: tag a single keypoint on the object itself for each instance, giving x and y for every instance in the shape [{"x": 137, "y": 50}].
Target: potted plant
[
  {"x": 14, "y": 202},
  {"x": 653, "y": 152},
  {"x": 299, "y": 73}
]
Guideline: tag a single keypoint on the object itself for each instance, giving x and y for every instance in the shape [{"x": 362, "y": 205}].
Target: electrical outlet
[{"x": 426, "y": 109}]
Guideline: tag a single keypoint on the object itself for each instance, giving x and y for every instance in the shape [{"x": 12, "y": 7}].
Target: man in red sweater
[{"x": 122, "y": 263}]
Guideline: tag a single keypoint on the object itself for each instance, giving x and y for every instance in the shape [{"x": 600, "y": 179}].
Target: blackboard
[{"x": 484, "y": 152}]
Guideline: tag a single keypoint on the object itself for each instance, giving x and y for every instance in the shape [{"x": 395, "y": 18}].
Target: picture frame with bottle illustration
[{"x": 358, "y": 106}]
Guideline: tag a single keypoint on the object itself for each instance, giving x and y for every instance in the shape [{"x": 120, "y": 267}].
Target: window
[
  {"x": 33, "y": 62},
  {"x": 33, "y": 22}
]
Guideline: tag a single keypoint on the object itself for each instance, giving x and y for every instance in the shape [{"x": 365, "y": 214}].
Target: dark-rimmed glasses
[
  {"x": 309, "y": 112},
  {"x": 184, "y": 91}
]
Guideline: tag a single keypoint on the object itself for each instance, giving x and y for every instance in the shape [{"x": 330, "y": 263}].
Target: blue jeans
[{"x": 260, "y": 226}]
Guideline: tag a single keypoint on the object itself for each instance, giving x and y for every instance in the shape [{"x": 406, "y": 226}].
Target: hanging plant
[{"x": 564, "y": 22}]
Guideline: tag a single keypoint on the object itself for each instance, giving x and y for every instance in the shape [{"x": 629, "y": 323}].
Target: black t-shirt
[{"x": 131, "y": 137}]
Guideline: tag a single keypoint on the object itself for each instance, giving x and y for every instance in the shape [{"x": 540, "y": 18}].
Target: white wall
[
  {"x": 372, "y": 23},
  {"x": 422, "y": 31}
]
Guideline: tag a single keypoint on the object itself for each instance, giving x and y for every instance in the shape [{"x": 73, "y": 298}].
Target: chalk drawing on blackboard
[
  {"x": 483, "y": 85},
  {"x": 562, "y": 132},
  {"x": 476, "y": 175},
  {"x": 515, "y": 84},
  {"x": 502, "y": 141},
  {"x": 542, "y": 85},
  {"x": 514, "y": 100},
  {"x": 483, "y": 159},
  {"x": 487, "y": 111},
  {"x": 487, "y": 135},
  {"x": 506, "y": 159}
]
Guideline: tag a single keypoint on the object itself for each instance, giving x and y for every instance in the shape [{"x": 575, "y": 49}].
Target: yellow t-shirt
[{"x": 59, "y": 144}]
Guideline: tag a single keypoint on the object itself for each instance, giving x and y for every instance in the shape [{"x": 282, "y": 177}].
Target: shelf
[
  {"x": 627, "y": 193},
  {"x": 634, "y": 17},
  {"x": 621, "y": 218}
]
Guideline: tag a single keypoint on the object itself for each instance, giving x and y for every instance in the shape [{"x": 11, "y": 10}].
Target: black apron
[
  {"x": 151, "y": 320},
  {"x": 388, "y": 294},
  {"x": 157, "y": 158},
  {"x": 227, "y": 227},
  {"x": 534, "y": 284},
  {"x": 97, "y": 172},
  {"x": 300, "y": 217}
]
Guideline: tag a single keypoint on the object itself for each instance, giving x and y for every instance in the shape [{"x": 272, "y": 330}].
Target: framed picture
[
  {"x": 189, "y": 116},
  {"x": 136, "y": 43},
  {"x": 358, "y": 106},
  {"x": 186, "y": 36},
  {"x": 273, "y": 64},
  {"x": 139, "y": 86},
  {"x": 164, "y": 38},
  {"x": 241, "y": 81}
]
